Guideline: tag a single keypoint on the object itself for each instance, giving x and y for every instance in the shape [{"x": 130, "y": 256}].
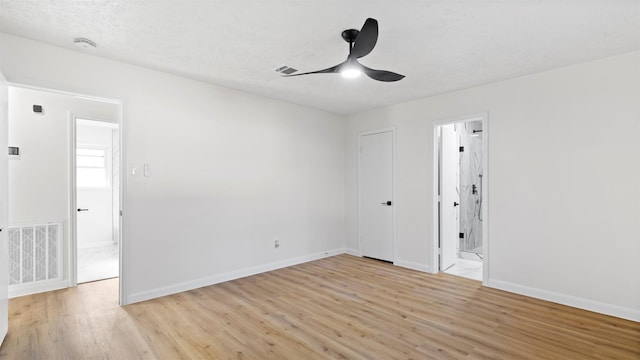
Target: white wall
[
  {"x": 564, "y": 181},
  {"x": 230, "y": 171}
]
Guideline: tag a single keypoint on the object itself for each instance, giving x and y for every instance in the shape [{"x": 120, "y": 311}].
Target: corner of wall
[
  {"x": 353, "y": 252},
  {"x": 413, "y": 265}
]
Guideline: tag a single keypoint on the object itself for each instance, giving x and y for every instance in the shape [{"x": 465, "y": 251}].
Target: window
[{"x": 91, "y": 167}]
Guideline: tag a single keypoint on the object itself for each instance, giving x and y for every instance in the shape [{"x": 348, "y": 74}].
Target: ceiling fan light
[{"x": 351, "y": 73}]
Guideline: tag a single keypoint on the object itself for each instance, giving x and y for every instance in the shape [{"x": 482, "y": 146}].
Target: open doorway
[
  {"x": 97, "y": 164},
  {"x": 42, "y": 184},
  {"x": 461, "y": 192}
]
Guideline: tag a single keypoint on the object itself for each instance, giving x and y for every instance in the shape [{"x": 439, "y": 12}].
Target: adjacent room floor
[
  {"x": 98, "y": 263},
  {"x": 470, "y": 269}
]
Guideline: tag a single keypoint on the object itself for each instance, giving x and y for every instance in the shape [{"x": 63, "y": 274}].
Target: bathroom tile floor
[
  {"x": 97, "y": 263},
  {"x": 471, "y": 269}
]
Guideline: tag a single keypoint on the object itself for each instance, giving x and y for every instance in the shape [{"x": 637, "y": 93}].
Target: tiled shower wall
[{"x": 470, "y": 185}]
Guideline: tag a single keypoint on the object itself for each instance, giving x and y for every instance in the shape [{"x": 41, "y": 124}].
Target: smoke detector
[{"x": 84, "y": 43}]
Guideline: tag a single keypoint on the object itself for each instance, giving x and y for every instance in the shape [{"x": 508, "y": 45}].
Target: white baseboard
[
  {"x": 401, "y": 263},
  {"x": 36, "y": 287},
  {"x": 413, "y": 265},
  {"x": 585, "y": 304},
  {"x": 232, "y": 275},
  {"x": 353, "y": 252}
]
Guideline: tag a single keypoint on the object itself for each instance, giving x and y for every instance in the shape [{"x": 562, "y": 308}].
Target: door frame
[
  {"x": 4, "y": 209},
  {"x": 435, "y": 249},
  {"x": 440, "y": 131},
  {"x": 73, "y": 192},
  {"x": 122, "y": 296},
  {"x": 392, "y": 130}
]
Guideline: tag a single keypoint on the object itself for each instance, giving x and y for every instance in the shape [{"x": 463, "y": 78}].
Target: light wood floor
[{"x": 336, "y": 308}]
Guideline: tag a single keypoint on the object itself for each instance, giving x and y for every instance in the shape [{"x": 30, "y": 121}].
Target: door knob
[
  {"x": 83, "y": 210},
  {"x": 455, "y": 203},
  {"x": 388, "y": 203}
]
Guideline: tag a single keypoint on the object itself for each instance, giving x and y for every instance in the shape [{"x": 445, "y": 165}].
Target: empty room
[{"x": 320, "y": 179}]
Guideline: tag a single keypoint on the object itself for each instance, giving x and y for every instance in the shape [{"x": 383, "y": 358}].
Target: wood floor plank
[{"x": 341, "y": 307}]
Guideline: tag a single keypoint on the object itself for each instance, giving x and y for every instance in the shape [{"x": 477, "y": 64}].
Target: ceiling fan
[{"x": 360, "y": 44}]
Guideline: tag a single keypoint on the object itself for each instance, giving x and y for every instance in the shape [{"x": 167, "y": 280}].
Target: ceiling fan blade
[
  {"x": 366, "y": 40},
  {"x": 381, "y": 75},
  {"x": 333, "y": 69}
]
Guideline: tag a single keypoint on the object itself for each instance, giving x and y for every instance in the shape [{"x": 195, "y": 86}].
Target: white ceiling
[{"x": 439, "y": 45}]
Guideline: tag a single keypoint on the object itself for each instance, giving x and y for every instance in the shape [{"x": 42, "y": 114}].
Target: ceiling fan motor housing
[{"x": 350, "y": 35}]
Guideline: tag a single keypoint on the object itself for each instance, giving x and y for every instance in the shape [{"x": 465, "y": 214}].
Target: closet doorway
[{"x": 375, "y": 194}]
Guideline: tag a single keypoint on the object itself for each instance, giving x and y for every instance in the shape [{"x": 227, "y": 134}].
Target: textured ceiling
[{"x": 439, "y": 45}]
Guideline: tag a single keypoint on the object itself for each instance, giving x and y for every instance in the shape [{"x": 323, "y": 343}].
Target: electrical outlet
[{"x": 276, "y": 243}]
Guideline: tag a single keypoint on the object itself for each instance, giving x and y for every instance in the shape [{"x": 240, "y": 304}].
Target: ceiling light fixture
[
  {"x": 84, "y": 43},
  {"x": 350, "y": 72},
  {"x": 361, "y": 42}
]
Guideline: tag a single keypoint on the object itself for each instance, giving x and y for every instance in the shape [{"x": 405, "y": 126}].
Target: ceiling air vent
[
  {"x": 287, "y": 70},
  {"x": 84, "y": 43}
]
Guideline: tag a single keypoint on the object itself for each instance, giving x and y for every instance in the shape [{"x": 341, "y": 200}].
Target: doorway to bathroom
[
  {"x": 97, "y": 197},
  {"x": 460, "y": 186}
]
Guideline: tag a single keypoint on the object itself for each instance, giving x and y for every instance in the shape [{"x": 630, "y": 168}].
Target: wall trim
[
  {"x": 563, "y": 299},
  {"x": 228, "y": 276},
  {"x": 413, "y": 265},
  {"x": 36, "y": 287},
  {"x": 25, "y": 85},
  {"x": 353, "y": 252}
]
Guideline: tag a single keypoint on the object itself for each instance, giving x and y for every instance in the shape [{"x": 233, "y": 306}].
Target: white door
[
  {"x": 4, "y": 204},
  {"x": 97, "y": 248},
  {"x": 449, "y": 169},
  {"x": 376, "y": 195}
]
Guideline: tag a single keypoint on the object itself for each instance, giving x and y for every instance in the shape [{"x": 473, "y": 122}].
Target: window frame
[{"x": 107, "y": 166}]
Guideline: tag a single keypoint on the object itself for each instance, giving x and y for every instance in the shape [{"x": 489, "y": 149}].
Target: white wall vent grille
[{"x": 35, "y": 253}]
